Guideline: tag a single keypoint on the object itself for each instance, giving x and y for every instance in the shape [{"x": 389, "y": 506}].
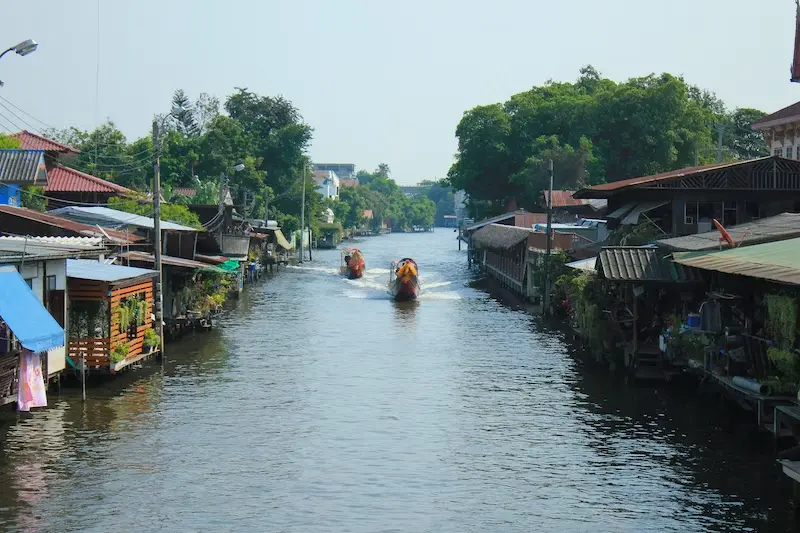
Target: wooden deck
[{"x": 763, "y": 406}]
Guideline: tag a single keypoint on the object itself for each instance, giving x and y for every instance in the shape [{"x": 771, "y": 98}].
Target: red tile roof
[
  {"x": 188, "y": 192},
  {"x": 78, "y": 228},
  {"x": 784, "y": 114},
  {"x": 347, "y": 182},
  {"x": 367, "y": 213},
  {"x": 32, "y": 141},
  {"x": 615, "y": 186},
  {"x": 64, "y": 179}
]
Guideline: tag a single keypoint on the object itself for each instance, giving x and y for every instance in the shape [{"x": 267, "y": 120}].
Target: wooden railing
[
  {"x": 505, "y": 268},
  {"x": 96, "y": 350}
]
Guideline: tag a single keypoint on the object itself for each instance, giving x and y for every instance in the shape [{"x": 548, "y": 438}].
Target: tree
[
  {"x": 8, "y": 143},
  {"x": 596, "y": 129},
  {"x": 420, "y": 212},
  {"x": 183, "y": 113},
  {"x": 741, "y": 140}
]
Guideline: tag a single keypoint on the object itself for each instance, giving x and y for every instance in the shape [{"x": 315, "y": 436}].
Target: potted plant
[
  {"x": 119, "y": 353},
  {"x": 151, "y": 340}
]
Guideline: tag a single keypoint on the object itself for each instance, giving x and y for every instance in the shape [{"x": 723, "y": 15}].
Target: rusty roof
[
  {"x": 520, "y": 218},
  {"x": 32, "y": 141},
  {"x": 65, "y": 179},
  {"x": 563, "y": 199},
  {"x": 642, "y": 263},
  {"x": 777, "y": 228},
  {"x": 773, "y": 261},
  {"x": 188, "y": 192},
  {"x": 118, "y": 237},
  {"x": 605, "y": 190}
]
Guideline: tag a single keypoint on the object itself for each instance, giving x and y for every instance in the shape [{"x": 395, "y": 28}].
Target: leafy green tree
[{"x": 184, "y": 114}]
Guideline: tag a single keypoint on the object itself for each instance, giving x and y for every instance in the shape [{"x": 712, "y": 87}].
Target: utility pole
[
  {"x": 159, "y": 303},
  {"x": 303, "y": 213},
  {"x": 266, "y": 207},
  {"x": 546, "y": 297},
  {"x": 221, "y": 206}
]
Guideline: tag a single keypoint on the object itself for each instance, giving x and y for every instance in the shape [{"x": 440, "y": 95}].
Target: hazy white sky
[{"x": 379, "y": 81}]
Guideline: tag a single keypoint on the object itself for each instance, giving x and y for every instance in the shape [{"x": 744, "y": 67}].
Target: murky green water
[{"x": 320, "y": 405}]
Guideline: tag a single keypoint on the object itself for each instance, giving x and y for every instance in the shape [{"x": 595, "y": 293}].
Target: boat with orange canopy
[
  {"x": 353, "y": 263},
  {"x": 404, "y": 280}
]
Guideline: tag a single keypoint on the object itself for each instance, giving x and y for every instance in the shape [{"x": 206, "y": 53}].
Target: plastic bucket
[{"x": 693, "y": 320}]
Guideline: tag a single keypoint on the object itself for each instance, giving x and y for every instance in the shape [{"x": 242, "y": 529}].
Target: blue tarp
[{"x": 24, "y": 314}]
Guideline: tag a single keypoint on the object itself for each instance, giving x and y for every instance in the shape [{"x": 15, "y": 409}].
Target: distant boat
[
  {"x": 353, "y": 263},
  {"x": 404, "y": 280}
]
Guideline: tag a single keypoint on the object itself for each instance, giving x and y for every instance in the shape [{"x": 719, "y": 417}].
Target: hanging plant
[
  {"x": 141, "y": 312},
  {"x": 781, "y": 320},
  {"x": 124, "y": 316}
]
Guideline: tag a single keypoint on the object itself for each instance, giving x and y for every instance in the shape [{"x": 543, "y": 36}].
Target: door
[{"x": 55, "y": 304}]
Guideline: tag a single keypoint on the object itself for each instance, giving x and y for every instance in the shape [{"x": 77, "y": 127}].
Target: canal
[{"x": 318, "y": 405}]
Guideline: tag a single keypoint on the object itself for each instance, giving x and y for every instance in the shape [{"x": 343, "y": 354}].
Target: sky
[{"x": 378, "y": 81}]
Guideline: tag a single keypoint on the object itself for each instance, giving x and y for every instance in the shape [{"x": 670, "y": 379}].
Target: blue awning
[{"x": 27, "y": 318}]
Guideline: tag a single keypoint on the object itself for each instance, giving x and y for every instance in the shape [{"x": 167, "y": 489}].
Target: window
[
  {"x": 778, "y": 152},
  {"x": 29, "y": 281},
  {"x": 50, "y": 283}
]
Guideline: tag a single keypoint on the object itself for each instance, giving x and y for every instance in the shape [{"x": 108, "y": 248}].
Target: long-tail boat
[
  {"x": 353, "y": 263},
  {"x": 404, "y": 280}
]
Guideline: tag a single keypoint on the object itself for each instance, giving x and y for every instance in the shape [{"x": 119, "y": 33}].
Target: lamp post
[{"x": 21, "y": 49}]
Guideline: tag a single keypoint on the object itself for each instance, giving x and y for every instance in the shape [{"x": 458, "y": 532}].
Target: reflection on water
[{"x": 322, "y": 405}]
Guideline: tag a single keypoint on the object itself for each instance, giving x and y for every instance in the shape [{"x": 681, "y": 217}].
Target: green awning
[{"x": 230, "y": 266}]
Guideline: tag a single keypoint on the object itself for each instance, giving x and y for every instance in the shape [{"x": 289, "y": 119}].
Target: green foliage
[
  {"x": 781, "y": 323},
  {"x": 441, "y": 194},
  {"x": 9, "y": 143},
  {"x": 151, "y": 339},
  {"x": 582, "y": 290},
  {"x": 688, "y": 344},
  {"x": 594, "y": 129},
  {"x": 177, "y": 213},
  {"x": 120, "y": 352},
  {"x": 33, "y": 197}
]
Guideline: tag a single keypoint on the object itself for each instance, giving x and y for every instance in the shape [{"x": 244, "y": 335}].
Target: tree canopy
[{"x": 595, "y": 130}]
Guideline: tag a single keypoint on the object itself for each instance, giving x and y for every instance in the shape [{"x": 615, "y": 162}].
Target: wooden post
[
  {"x": 635, "y": 322},
  {"x": 83, "y": 376}
]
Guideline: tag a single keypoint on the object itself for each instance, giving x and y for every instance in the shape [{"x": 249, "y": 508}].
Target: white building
[
  {"x": 327, "y": 183},
  {"x": 781, "y": 131}
]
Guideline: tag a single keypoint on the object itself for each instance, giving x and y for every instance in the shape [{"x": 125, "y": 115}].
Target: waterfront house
[
  {"x": 781, "y": 131},
  {"x": 110, "y": 312},
  {"x": 685, "y": 201},
  {"x": 177, "y": 240},
  {"x": 343, "y": 170},
  {"x": 41, "y": 263},
  {"x": 517, "y": 218}
]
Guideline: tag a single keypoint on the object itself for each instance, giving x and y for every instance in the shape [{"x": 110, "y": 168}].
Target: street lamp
[{"x": 22, "y": 49}]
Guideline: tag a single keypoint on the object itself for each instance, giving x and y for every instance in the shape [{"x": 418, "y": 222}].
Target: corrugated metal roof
[
  {"x": 64, "y": 179},
  {"x": 94, "y": 270},
  {"x": 25, "y": 167},
  {"x": 562, "y": 199},
  {"x": 119, "y": 237},
  {"x": 788, "y": 112},
  {"x": 774, "y": 261},
  {"x": 114, "y": 218},
  {"x": 777, "y": 228},
  {"x": 641, "y": 263},
  {"x": 32, "y": 141},
  {"x": 14, "y": 251},
  {"x": 500, "y": 237},
  {"x": 166, "y": 260},
  {"x": 73, "y": 242},
  {"x": 25, "y": 315}
]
